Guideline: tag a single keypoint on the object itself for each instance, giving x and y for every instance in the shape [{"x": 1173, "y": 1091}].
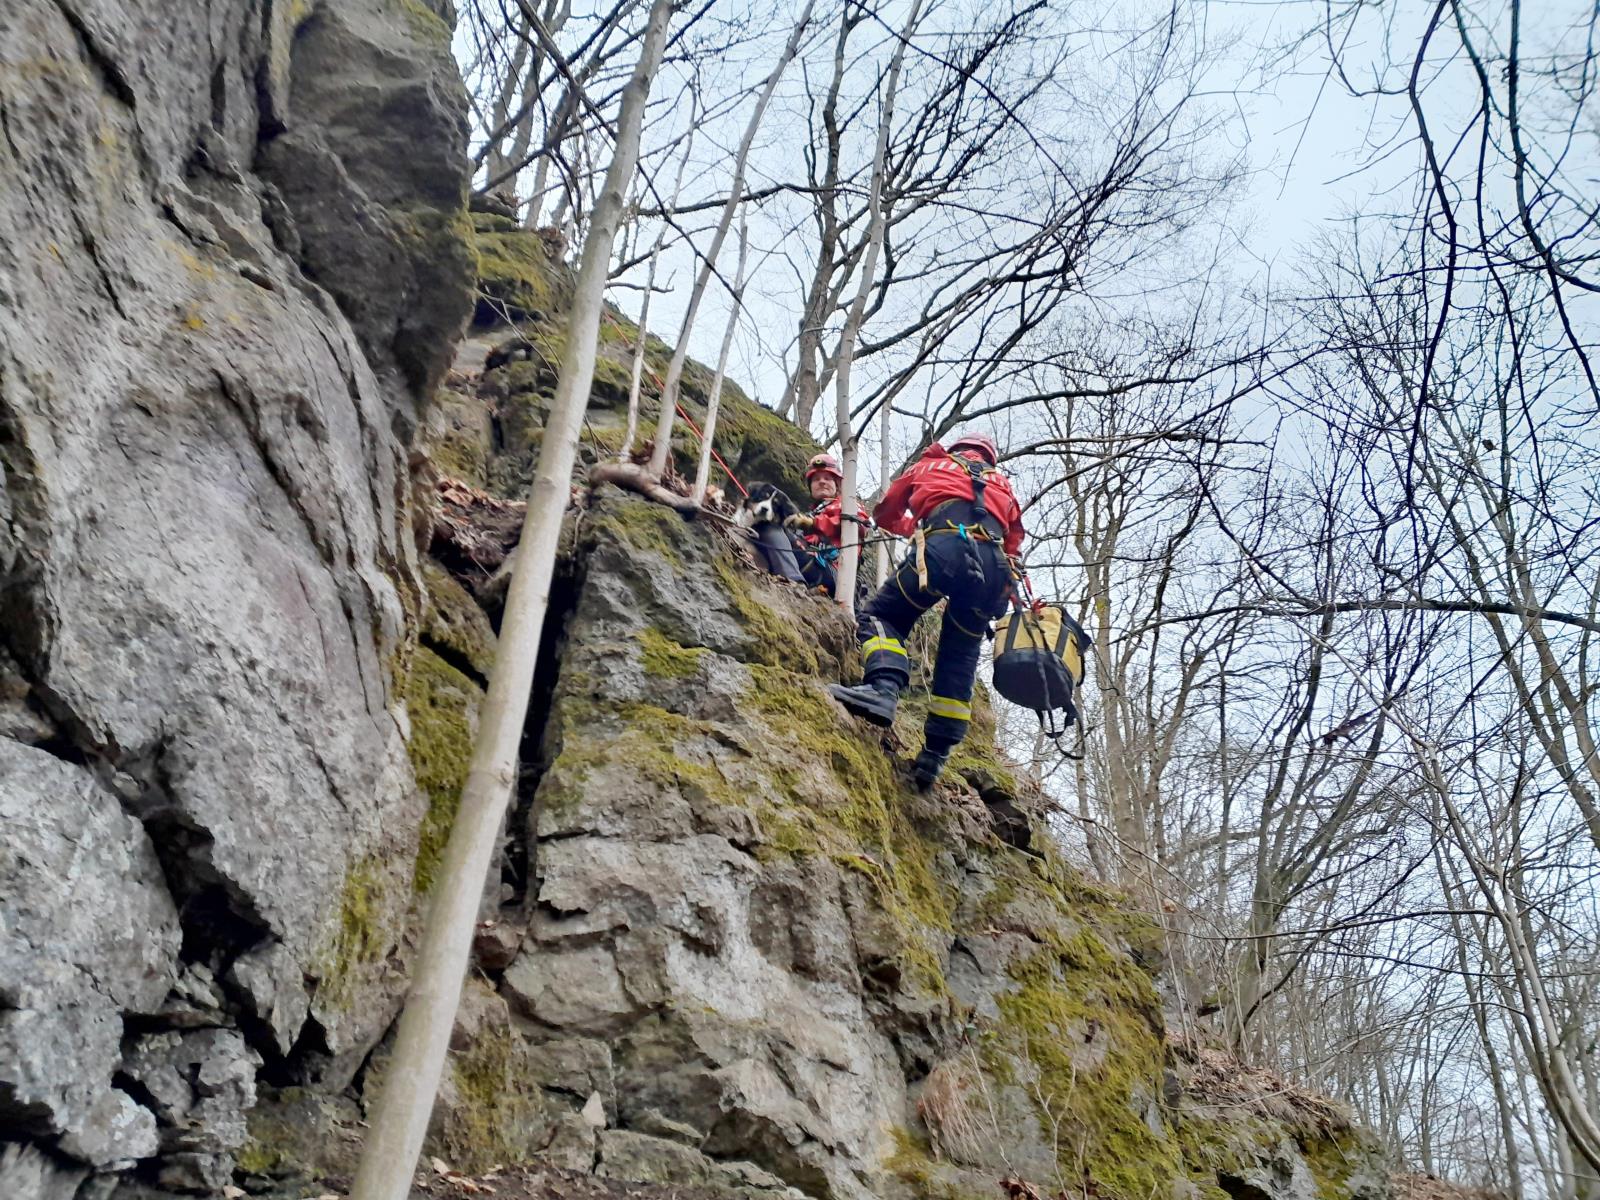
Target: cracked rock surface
[{"x": 206, "y": 561}]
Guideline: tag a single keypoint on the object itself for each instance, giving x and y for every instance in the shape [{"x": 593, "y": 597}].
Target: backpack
[{"x": 1038, "y": 659}]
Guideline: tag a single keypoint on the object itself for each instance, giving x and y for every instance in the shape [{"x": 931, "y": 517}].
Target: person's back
[{"x": 967, "y": 522}]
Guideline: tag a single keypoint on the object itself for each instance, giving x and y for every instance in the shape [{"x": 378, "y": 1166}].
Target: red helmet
[
  {"x": 979, "y": 442},
  {"x": 824, "y": 464}
]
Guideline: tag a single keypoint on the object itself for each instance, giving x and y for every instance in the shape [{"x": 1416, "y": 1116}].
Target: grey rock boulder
[
  {"x": 89, "y": 932},
  {"x": 207, "y": 563},
  {"x": 371, "y": 165}
]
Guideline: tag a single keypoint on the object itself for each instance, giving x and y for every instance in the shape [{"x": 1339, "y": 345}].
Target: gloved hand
[
  {"x": 1037, "y": 607},
  {"x": 800, "y": 521}
]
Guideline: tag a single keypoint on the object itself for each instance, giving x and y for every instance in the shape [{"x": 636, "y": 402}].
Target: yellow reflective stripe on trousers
[
  {"x": 943, "y": 706},
  {"x": 873, "y": 644}
]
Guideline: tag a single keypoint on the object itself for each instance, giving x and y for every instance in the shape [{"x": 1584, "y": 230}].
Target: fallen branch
[{"x": 637, "y": 479}]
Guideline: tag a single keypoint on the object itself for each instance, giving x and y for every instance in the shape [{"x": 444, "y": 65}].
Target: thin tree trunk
[
  {"x": 804, "y": 385},
  {"x": 522, "y": 135},
  {"x": 400, "y": 1118},
  {"x": 849, "y": 443},
  {"x": 885, "y": 466},
  {"x": 669, "y": 391},
  {"x": 498, "y": 161},
  {"x": 708, "y": 433},
  {"x": 636, "y": 380}
]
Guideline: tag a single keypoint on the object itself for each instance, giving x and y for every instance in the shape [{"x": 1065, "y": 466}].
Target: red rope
[
  {"x": 687, "y": 421},
  {"x": 656, "y": 379}
]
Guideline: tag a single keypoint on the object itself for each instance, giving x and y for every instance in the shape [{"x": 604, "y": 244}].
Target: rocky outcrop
[
  {"x": 487, "y": 428},
  {"x": 726, "y": 950},
  {"x": 224, "y": 297},
  {"x": 747, "y": 945}
]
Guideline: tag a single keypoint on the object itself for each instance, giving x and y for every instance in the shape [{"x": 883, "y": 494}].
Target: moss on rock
[
  {"x": 365, "y": 928},
  {"x": 497, "y": 1104},
  {"x": 518, "y": 278},
  {"x": 454, "y": 623},
  {"x": 425, "y": 24},
  {"x": 647, "y": 527},
  {"x": 772, "y": 642},
  {"x": 664, "y": 658},
  {"x": 1089, "y": 1024},
  {"x": 441, "y": 702}
]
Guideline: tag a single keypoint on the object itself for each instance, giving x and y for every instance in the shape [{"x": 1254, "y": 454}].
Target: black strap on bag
[{"x": 1048, "y": 722}]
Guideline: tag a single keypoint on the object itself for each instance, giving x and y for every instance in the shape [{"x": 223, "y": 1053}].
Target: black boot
[
  {"x": 927, "y": 766},
  {"x": 875, "y": 701}
]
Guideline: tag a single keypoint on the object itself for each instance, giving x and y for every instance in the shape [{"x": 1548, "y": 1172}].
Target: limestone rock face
[
  {"x": 370, "y": 165},
  {"x": 207, "y": 573}
]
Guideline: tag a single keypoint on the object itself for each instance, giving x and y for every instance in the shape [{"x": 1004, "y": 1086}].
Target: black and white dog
[
  {"x": 767, "y": 512},
  {"x": 767, "y": 504}
]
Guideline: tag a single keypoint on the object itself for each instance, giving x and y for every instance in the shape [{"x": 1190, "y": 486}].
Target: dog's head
[{"x": 766, "y": 505}]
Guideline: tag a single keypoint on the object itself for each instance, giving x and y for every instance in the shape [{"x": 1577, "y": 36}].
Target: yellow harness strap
[{"x": 920, "y": 540}]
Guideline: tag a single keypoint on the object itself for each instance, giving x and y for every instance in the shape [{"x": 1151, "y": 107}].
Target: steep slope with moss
[
  {"x": 749, "y": 951},
  {"x": 731, "y": 949}
]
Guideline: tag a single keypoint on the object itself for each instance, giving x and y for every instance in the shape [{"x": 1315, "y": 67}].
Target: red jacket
[
  {"x": 829, "y": 523},
  {"x": 937, "y": 477}
]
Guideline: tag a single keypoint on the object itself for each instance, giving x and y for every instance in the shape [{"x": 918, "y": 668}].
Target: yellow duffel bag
[{"x": 1038, "y": 658}]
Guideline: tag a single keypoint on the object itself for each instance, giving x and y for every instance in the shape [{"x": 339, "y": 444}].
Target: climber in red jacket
[
  {"x": 820, "y": 532},
  {"x": 970, "y": 522}
]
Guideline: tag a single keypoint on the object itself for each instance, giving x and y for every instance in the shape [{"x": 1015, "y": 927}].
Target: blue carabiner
[{"x": 963, "y": 531}]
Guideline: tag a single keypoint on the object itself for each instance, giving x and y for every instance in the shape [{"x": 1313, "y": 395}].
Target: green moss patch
[
  {"x": 361, "y": 937},
  {"x": 664, "y": 658},
  {"x": 645, "y": 526},
  {"x": 1088, "y": 1022},
  {"x": 518, "y": 277},
  {"x": 454, "y": 623},
  {"x": 498, "y": 1107},
  {"x": 870, "y": 829},
  {"x": 772, "y": 641},
  {"x": 913, "y": 1164},
  {"x": 438, "y": 698},
  {"x": 425, "y": 24}
]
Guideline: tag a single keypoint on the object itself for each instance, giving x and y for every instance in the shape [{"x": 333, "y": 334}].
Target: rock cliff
[
  {"x": 749, "y": 959},
  {"x": 224, "y": 299},
  {"x": 727, "y": 950}
]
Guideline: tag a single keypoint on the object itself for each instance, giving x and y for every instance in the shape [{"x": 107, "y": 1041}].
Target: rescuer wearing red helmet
[
  {"x": 972, "y": 523},
  {"x": 819, "y": 532}
]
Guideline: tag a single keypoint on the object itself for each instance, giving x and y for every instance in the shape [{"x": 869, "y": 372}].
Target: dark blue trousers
[{"x": 971, "y": 576}]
